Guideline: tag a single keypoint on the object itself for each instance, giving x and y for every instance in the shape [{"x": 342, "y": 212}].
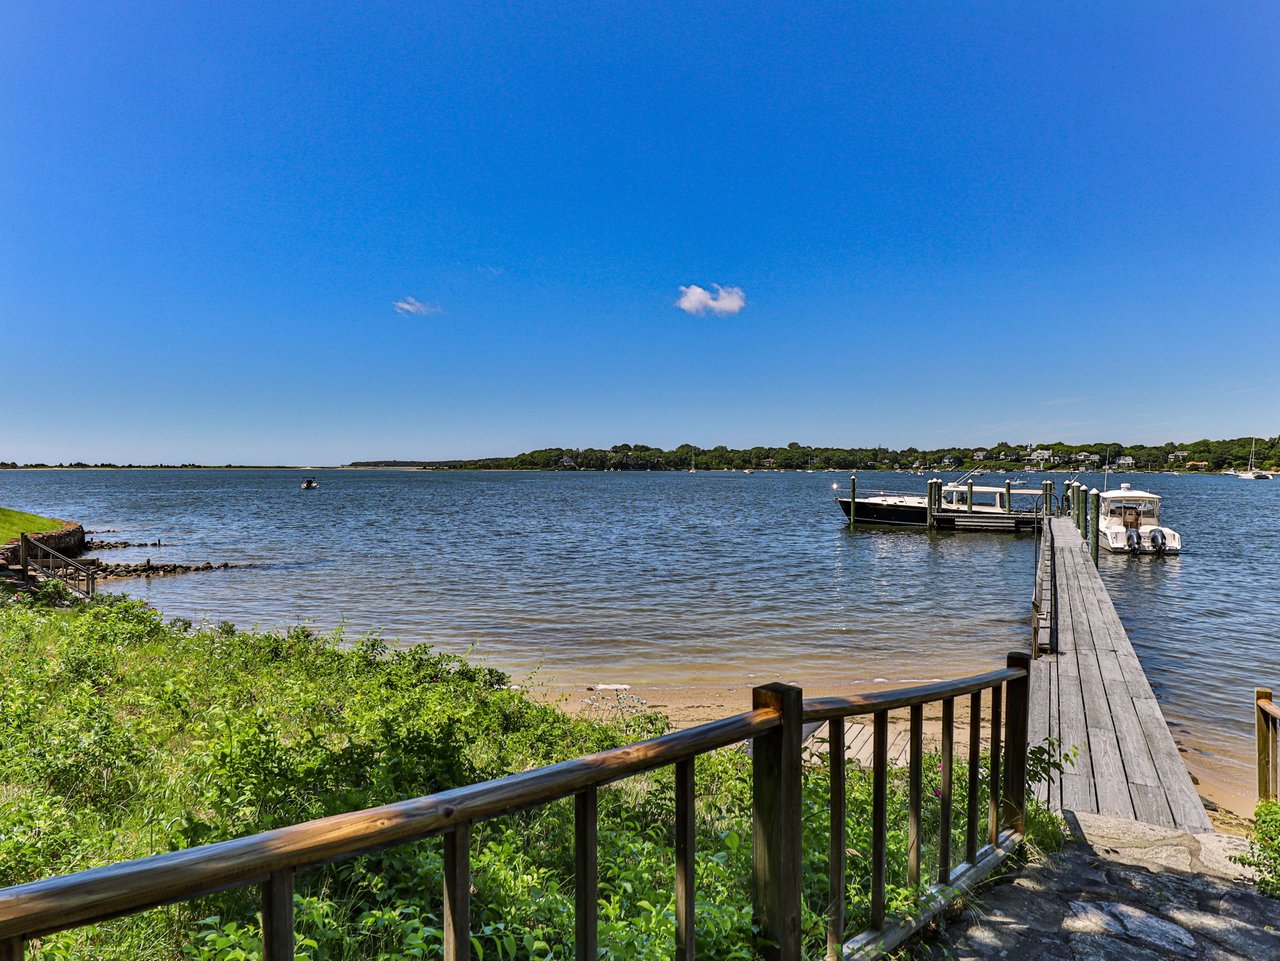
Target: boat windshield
[{"x": 1147, "y": 507}]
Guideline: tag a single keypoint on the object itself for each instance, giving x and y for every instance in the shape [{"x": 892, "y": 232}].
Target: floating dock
[{"x": 1089, "y": 691}]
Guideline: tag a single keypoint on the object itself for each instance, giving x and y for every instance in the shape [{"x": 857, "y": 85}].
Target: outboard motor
[
  {"x": 1158, "y": 541},
  {"x": 1133, "y": 540}
]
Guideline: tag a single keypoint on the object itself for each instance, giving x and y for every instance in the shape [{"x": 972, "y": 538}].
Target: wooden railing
[
  {"x": 44, "y": 560},
  {"x": 1267, "y": 731},
  {"x": 1043, "y": 632},
  {"x": 774, "y": 726}
]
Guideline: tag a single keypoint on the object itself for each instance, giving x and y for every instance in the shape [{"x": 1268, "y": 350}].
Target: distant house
[
  {"x": 948, "y": 460},
  {"x": 1197, "y": 465},
  {"x": 1042, "y": 455},
  {"x": 1178, "y": 455},
  {"x": 1086, "y": 458},
  {"x": 979, "y": 455},
  {"x": 1124, "y": 460},
  {"x": 567, "y": 462}
]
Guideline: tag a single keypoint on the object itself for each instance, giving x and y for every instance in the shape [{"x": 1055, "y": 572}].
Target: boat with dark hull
[
  {"x": 961, "y": 506},
  {"x": 899, "y": 510}
]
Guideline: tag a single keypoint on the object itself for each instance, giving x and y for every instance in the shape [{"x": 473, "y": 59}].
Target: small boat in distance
[
  {"x": 309, "y": 484},
  {"x": 1252, "y": 473},
  {"x": 1129, "y": 523}
]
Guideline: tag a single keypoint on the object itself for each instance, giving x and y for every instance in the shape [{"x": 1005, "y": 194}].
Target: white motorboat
[{"x": 1129, "y": 523}]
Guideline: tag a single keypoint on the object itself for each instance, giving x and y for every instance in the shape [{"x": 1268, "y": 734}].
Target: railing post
[
  {"x": 1095, "y": 509},
  {"x": 1262, "y": 730},
  {"x": 776, "y": 823},
  {"x": 586, "y": 895},
  {"x": 457, "y": 893},
  {"x": 1015, "y": 737},
  {"x": 915, "y": 752},
  {"x": 11, "y": 949},
  {"x": 277, "y": 916},
  {"x": 686, "y": 882},
  {"x": 975, "y": 763},
  {"x": 836, "y": 877},
  {"x": 879, "y": 816},
  {"x": 22, "y": 559},
  {"x": 944, "y": 798}
]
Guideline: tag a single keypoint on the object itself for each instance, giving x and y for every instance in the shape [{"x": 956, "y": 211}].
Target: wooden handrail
[
  {"x": 29, "y": 545},
  {"x": 87, "y": 897},
  {"x": 774, "y": 725},
  {"x": 826, "y": 708},
  {"x": 1269, "y": 707}
]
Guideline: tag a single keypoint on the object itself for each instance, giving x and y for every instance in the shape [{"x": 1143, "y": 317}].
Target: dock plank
[{"x": 1094, "y": 695}]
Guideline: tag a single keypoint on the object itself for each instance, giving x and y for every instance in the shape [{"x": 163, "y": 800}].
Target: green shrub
[{"x": 1264, "y": 848}]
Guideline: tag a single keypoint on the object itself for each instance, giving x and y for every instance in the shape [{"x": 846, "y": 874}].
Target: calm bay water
[{"x": 680, "y": 578}]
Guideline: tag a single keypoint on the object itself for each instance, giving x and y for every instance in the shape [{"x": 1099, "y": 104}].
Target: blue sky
[{"x": 947, "y": 224}]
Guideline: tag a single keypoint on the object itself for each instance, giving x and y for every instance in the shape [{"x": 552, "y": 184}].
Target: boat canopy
[{"x": 1115, "y": 503}]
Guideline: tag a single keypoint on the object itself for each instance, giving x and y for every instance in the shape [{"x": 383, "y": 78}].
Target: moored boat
[
  {"x": 1129, "y": 523},
  {"x": 309, "y": 484},
  {"x": 1252, "y": 473},
  {"x": 963, "y": 506}
]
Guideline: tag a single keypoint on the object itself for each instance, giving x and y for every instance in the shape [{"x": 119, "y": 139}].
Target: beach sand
[{"x": 687, "y": 705}]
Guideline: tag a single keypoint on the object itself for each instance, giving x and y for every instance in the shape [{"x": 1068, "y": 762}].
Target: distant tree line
[{"x": 1205, "y": 455}]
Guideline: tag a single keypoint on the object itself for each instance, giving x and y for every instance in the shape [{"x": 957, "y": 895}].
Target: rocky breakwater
[
  {"x": 148, "y": 569},
  {"x": 68, "y": 540}
]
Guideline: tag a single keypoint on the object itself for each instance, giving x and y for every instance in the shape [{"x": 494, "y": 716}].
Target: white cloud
[
  {"x": 411, "y": 305},
  {"x": 726, "y": 300}
]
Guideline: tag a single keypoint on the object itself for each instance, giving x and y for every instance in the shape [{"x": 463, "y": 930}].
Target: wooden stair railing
[{"x": 774, "y": 727}]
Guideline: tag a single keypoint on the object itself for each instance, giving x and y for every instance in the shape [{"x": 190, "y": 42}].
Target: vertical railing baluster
[
  {"x": 457, "y": 893},
  {"x": 993, "y": 776},
  {"x": 586, "y": 881},
  {"x": 879, "y": 815},
  {"x": 975, "y": 764},
  {"x": 277, "y": 916},
  {"x": 776, "y": 771},
  {"x": 1262, "y": 742},
  {"x": 948, "y": 765},
  {"x": 836, "y": 852},
  {"x": 11, "y": 949},
  {"x": 915, "y": 761},
  {"x": 686, "y": 891},
  {"x": 1015, "y": 743},
  {"x": 1275, "y": 759}
]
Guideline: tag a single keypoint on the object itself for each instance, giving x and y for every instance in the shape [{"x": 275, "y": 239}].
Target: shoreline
[{"x": 688, "y": 705}]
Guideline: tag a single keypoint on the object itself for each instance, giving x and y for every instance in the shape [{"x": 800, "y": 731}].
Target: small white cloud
[
  {"x": 726, "y": 300},
  {"x": 411, "y": 305}
]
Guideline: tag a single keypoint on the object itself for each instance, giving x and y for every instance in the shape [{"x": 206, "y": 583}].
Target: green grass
[
  {"x": 13, "y": 523},
  {"x": 122, "y": 735}
]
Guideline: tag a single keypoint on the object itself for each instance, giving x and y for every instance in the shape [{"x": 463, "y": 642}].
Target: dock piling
[
  {"x": 969, "y": 498},
  {"x": 853, "y": 498},
  {"x": 928, "y": 504},
  {"x": 1095, "y": 508},
  {"x": 1008, "y": 495}
]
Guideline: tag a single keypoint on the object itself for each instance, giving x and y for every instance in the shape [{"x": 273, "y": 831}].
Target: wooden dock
[{"x": 1092, "y": 694}]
